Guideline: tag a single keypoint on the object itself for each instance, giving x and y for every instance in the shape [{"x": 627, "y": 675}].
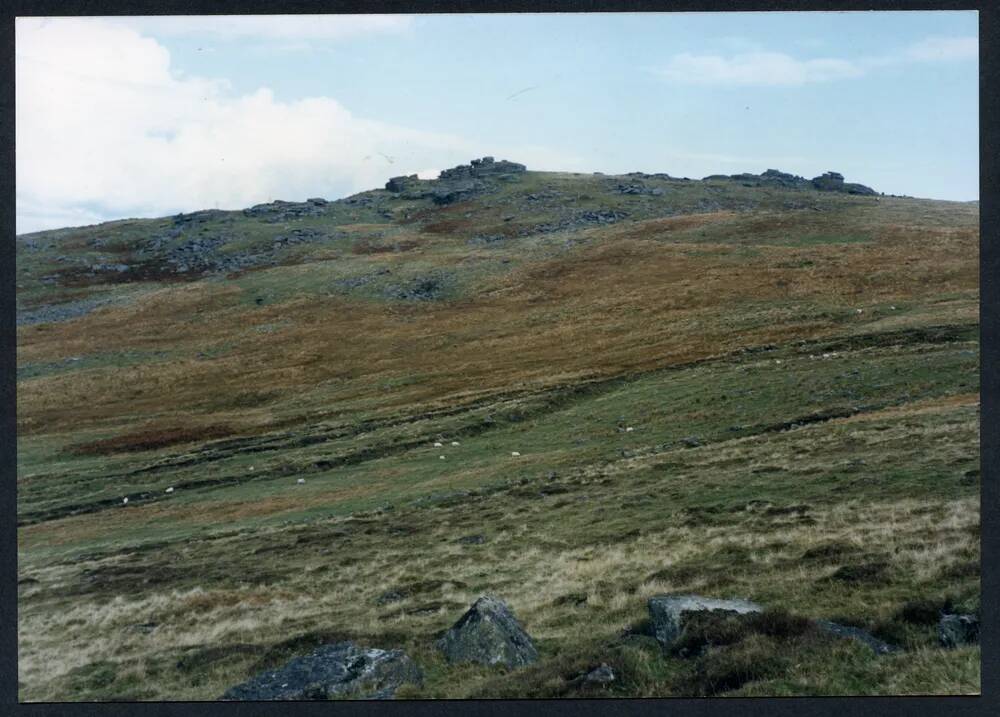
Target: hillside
[{"x": 759, "y": 386}]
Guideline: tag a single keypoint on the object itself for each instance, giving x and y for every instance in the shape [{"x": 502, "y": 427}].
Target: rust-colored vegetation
[{"x": 150, "y": 439}]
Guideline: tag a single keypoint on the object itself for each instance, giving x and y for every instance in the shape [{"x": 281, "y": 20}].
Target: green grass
[
  {"x": 614, "y": 535},
  {"x": 841, "y": 487},
  {"x": 714, "y": 402}
]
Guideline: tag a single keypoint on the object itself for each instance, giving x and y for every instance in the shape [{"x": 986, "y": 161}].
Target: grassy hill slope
[{"x": 799, "y": 368}]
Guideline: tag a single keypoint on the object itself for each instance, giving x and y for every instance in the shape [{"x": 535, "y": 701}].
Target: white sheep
[
  {"x": 125, "y": 501},
  {"x": 777, "y": 361},
  {"x": 859, "y": 311},
  {"x": 170, "y": 489},
  {"x": 454, "y": 443},
  {"x": 892, "y": 308},
  {"x": 438, "y": 444},
  {"x": 251, "y": 469},
  {"x": 301, "y": 481},
  {"x": 441, "y": 457},
  {"x": 629, "y": 429},
  {"x": 515, "y": 454}
]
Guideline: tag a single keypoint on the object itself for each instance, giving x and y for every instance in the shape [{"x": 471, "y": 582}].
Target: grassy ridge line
[{"x": 545, "y": 401}]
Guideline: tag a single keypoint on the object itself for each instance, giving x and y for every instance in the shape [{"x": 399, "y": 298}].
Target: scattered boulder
[
  {"x": 779, "y": 177},
  {"x": 281, "y": 211},
  {"x": 829, "y": 182},
  {"x": 668, "y": 613},
  {"x": 109, "y": 268},
  {"x": 621, "y": 188},
  {"x": 600, "y": 676},
  {"x": 338, "y": 669},
  {"x": 685, "y": 624},
  {"x": 456, "y": 184},
  {"x": 601, "y": 216},
  {"x": 199, "y": 217},
  {"x": 485, "y": 167},
  {"x": 855, "y": 188},
  {"x": 856, "y": 633},
  {"x": 576, "y": 220},
  {"x": 958, "y": 630},
  {"x": 299, "y": 236},
  {"x": 402, "y": 184},
  {"x": 457, "y": 192},
  {"x": 488, "y": 634}
]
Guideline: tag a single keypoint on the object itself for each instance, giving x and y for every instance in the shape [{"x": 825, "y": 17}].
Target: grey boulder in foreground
[
  {"x": 338, "y": 670},
  {"x": 488, "y": 634},
  {"x": 668, "y": 613},
  {"x": 855, "y": 633},
  {"x": 958, "y": 630}
]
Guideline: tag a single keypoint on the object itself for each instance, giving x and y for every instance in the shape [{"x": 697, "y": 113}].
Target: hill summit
[{"x": 466, "y": 180}]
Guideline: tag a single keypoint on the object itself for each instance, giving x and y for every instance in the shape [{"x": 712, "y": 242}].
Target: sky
[{"x": 150, "y": 116}]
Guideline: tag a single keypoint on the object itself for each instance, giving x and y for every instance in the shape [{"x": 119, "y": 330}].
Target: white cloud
[
  {"x": 106, "y": 130},
  {"x": 755, "y": 68},
  {"x": 778, "y": 69}
]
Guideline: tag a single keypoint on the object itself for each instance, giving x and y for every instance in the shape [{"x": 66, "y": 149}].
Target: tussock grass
[{"x": 840, "y": 487}]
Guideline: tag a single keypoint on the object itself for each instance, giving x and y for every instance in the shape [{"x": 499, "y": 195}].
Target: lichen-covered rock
[
  {"x": 488, "y": 634},
  {"x": 779, "y": 175},
  {"x": 858, "y": 635},
  {"x": 280, "y": 211},
  {"x": 402, "y": 184},
  {"x": 855, "y": 188},
  {"x": 337, "y": 670},
  {"x": 602, "y": 675},
  {"x": 451, "y": 192},
  {"x": 829, "y": 182},
  {"x": 958, "y": 630},
  {"x": 668, "y": 613},
  {"x": 484, "y": 167}
]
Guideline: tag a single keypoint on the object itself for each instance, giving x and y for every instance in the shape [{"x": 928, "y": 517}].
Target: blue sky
[{"x": 148, "y": 116}]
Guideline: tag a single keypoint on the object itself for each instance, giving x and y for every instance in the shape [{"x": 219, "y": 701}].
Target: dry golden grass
[
  {"x": 634, "y": 303},
  {"x": 250, "y": 566},
  {"x": 532, "y": 579}
]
